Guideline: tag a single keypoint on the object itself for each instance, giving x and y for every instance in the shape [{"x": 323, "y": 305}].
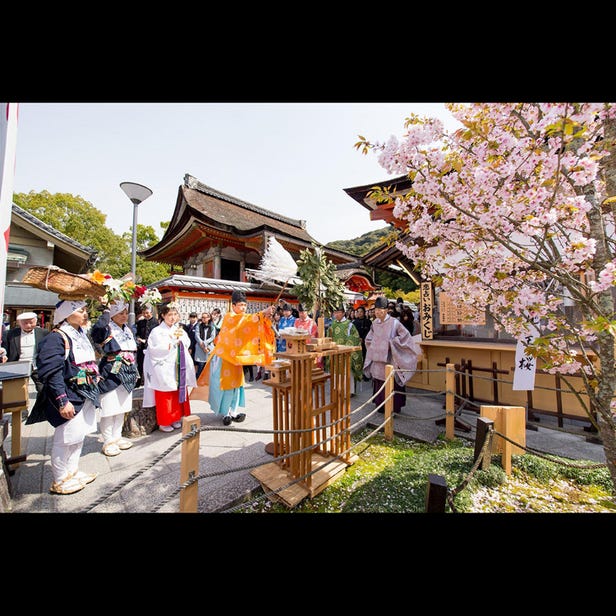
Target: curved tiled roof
[
  {"x": 244, "y": 217},
  {"x": 49, "y": 229}
]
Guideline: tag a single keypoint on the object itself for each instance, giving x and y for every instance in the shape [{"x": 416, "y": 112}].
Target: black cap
[
  {"x": 339, "y": 309},
  {"x": 300, "y": 308},
  {"x": 381, "y": 302},
  {"x": 237, "y": 297},
  {"x": 287, "y": 307}
]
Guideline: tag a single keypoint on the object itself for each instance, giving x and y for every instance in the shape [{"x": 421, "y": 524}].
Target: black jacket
[
  {"x": 58, "y": 375},
  {"x": 127, "y": 376},
  {"x": 144, "y": 327},
  {"x": 11, "y": 341}
]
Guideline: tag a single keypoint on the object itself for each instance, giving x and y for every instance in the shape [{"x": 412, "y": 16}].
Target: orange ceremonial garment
[{"x": 243, "y": 340}]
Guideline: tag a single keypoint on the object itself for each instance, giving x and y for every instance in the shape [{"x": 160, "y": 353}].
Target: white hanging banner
[
  {"x": 525, "y": 365},
  {"x": 8, "y": 143}
]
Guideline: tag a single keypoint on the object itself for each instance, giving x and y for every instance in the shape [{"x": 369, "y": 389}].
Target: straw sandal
[
  {"x": 85, "y": 478},
  {"x": 70, "y": 485},
  {"x": 124, "y": 444},
  {"x": 111, "y": 449}
]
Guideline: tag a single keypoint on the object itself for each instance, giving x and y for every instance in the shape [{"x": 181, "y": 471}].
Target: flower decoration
[
  {"x": 123, "y": 290},
  {"x": 150, "y": 296}
]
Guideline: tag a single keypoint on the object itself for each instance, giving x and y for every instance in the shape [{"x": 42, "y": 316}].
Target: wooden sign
[
  {"x": 455, "y": 313},
  {"x": 426, "y": 309}
]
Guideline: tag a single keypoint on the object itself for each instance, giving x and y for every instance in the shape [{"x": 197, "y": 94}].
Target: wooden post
[
  {"x": 321, "y": 327},
  {"x": 507, "y": 446},
  {"x": 450, "y": 402},
  {"x": 436, "y": 497},
  {"x": 389, "y": 405},
  {"x": 483, "y": 426},
  {"x": 511, "y": 422},
  {"x": 16, "y": 435},
  {"x": 190, "y": 465}
]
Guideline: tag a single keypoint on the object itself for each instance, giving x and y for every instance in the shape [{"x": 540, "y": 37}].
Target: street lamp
[{"x": 136, "y": 193}]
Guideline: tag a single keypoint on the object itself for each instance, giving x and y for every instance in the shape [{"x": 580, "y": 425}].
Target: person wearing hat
[
  {"x": 342, "y": 331},
  {"x": 67, "y": 367},
  {"x": 118, "y": 369},
  {"x": 244, "y": 340},
  {"x": 168, "y": 370},
  {"x": 389, "y": 342},
  {"x": 286, "y": 320},
  {"x": 21, "y": 343}
]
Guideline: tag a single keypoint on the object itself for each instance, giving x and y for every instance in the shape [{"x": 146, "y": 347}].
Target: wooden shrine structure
[{"x": 311, "y": 421}]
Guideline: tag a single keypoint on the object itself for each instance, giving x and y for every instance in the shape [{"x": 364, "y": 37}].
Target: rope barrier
[
  {"x": 269, "y": 493},
  {"x": 140, "y": 472},
  {"x": 545, "y": 455},
  {"x": 451, "y": 494}
]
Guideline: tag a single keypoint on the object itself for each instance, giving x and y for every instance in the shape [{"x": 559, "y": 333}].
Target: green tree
[
  {"x": 320, "y": 288},
  {"x": 82, "y": 222},
  {"x": 365, "y": 243},
  {"x": 147, "y": 271}
]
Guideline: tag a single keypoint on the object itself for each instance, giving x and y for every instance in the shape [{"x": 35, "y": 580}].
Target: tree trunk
[{"x": 606, "y": 388}]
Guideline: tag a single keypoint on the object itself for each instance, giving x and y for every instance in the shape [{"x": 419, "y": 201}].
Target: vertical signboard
[
  {"x": 525, "y": 365},
  {"x": 426, "y": 310}
]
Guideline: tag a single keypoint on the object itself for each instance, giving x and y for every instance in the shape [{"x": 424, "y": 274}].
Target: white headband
[
  {"x": 65, "y": 309},
  {"x": 116, "y": 307}
]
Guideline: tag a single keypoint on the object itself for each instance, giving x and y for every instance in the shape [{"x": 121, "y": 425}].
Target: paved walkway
[{"x": 222, "y": 451}]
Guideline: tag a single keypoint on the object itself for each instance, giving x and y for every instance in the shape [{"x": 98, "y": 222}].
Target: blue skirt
[{"x": 223, "y": 402}]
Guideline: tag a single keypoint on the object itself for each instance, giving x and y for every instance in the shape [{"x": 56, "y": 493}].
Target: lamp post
[{"x": 136, "y": 193}]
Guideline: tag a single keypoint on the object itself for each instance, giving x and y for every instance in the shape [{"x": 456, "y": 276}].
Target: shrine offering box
[
  {"x": 296, "y": 342},
  {"x": 279, "y": 371}
]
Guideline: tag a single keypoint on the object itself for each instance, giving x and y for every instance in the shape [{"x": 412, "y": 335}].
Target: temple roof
[
  {"x": 204, "y": 215},
  {"x": 198, "y": 283}
]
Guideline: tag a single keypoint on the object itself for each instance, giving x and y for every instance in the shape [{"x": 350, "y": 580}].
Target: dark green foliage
[
  {"x": 81, "y": 221},
  {"x": 320, "y": 288},
  {"x": 491, "y": 477},
  {"x": 364, "y": 243}
]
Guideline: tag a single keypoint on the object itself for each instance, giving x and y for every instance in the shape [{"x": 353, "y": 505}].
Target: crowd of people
[{"x": 85, "y": 373}]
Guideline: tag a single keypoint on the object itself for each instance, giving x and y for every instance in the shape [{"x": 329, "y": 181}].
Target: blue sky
[{"x": 292, "y": 158}]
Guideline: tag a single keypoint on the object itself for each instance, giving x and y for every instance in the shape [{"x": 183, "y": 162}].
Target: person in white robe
[{"x": 118, "y": 370}]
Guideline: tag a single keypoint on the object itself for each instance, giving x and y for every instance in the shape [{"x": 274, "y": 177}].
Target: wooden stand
[
  {"x": 300, "y": 404},
  {"x": 14, "y": 378}
]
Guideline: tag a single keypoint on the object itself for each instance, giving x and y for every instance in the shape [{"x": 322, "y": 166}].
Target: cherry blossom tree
[{"x": 513, "y": 213}]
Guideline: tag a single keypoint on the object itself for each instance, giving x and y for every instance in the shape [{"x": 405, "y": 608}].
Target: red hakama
[{"x": 169, "y": 408}]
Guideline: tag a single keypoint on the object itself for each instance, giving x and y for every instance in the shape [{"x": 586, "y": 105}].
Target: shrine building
[
  {"x": 215, "y": 238},
  {"x": 484, "y": 356}
]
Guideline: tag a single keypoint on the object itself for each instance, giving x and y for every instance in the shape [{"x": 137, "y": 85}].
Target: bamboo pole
[
  {"x": 450, "y": 408},
  {"x": 389, "y": 405},
  {"x": 189, "y": 467}
]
